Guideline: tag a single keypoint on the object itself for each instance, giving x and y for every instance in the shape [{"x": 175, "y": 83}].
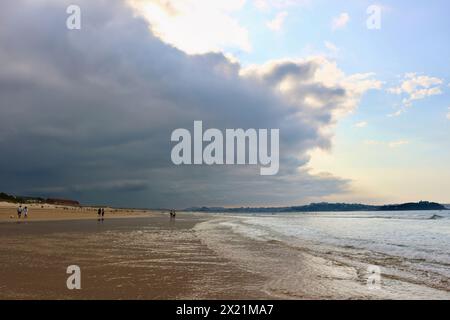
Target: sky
[{"x": 363, "y": 112}]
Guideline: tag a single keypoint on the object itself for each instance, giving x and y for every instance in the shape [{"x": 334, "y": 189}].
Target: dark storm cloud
[{"x": 88, "y": 114}]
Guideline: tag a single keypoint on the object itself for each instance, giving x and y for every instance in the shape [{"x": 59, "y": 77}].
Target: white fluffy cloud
[
  {"x": 417, "y": 87},
  {"x": 316, "y": 83},
  {"x": 340, "y": 21}
]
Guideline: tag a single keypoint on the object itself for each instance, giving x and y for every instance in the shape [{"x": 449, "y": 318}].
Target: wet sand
[{"x": 129, "y": 258}]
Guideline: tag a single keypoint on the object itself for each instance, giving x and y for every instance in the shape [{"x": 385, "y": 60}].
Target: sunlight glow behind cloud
[{"x": 195, "y": 26}]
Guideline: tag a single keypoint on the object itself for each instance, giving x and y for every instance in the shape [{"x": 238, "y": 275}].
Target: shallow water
[{"x": 334, "y": 250}]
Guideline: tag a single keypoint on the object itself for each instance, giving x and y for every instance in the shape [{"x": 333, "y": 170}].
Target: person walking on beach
[
  {"x": 19, "y": 211},
  {"x": 99, "y": 212},
  {"x": 25, "y": 212},
  {"x": 103, "y": 212}
]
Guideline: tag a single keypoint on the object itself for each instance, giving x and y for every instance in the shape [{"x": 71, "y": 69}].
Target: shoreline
[
  {"x": 143, "y": 254},
  {"x": 303, "y": 268}
]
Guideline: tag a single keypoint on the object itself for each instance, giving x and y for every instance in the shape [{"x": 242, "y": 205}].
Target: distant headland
[{"x": 327, "y": 207}]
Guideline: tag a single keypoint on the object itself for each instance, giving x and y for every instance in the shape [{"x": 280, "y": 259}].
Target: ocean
[{"x": 334, "y": 254}]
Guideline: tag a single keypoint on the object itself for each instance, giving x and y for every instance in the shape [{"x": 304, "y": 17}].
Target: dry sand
[{"x": 46, "y": 212}]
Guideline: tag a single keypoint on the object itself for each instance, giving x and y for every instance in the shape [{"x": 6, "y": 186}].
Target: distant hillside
[
  {"x": 327, "y": 207},
  {"x": 7, "y": 198},
  {"x": 18, "y": 199},
  {"x": 422, "y": 205},
  {"x": 24, "y": 199}
]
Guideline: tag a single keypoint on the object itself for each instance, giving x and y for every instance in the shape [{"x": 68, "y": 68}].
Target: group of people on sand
[
  {"x": 21, "y": 211},
  {"x": 172, "y": 214},
  {"x": 101, "y": 212}
]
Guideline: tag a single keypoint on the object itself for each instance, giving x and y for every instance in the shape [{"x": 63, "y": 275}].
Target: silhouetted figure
[
  {"x": 103, "y": 212},
  {"x": 99, "y": 212}
]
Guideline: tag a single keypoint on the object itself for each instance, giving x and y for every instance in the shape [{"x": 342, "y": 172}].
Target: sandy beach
[
  {"x": 50, "y": 212},
  {"x": 129, "y": 255},
  {"x": 139, "y": 254}
]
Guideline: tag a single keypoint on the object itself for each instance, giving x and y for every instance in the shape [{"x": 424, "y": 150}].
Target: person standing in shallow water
[
  {"x": 25, "y": 212},
  {"x": 103, "y": 212},
  {"x": 99, "y": 212},
  {"x": 19, "y": 211}
]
